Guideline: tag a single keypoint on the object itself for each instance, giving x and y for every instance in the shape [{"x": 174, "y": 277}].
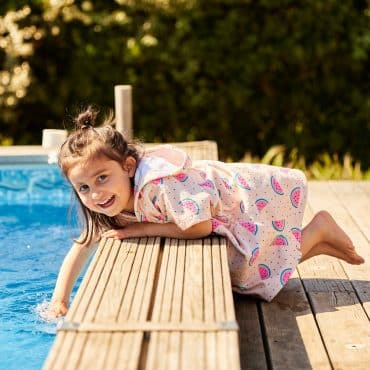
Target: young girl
[{"x": 259, "y": 208}]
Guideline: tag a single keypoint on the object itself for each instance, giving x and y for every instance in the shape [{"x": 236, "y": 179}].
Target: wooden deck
[
  {"x": 320, "y": 320},
  {"x": 148, "y": 305}
]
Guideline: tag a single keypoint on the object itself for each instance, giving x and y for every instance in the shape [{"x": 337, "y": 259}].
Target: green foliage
[
  {"x": 326, "y": 167},
  {"x": 247, "y": 74}
]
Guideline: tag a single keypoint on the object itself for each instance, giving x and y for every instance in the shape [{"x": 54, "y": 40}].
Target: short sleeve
[{"x": 184, "y": 199}]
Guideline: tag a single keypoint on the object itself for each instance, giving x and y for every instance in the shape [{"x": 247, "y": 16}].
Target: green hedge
[{"x": 248, "y": 74}]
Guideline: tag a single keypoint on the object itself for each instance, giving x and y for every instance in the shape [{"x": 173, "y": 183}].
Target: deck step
[{"x": 151, "y": 304}]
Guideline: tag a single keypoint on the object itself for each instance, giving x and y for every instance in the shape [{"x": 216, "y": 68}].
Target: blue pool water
[{"x": 35, "y": 234}]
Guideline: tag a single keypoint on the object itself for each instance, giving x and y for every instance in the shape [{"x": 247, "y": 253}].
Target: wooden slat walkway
[{"x": 143, "y": 305}]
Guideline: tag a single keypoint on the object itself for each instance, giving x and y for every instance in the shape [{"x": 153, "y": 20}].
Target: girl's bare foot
[
  {"x": 324, "y": 236},
  {"x": 330, "y": 250}
]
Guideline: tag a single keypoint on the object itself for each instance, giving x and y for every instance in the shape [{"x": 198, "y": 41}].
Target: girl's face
[{"x": 103, "y": 185}]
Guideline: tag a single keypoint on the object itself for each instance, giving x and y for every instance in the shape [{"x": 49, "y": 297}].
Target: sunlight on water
[{"x": 33, "y": 242}]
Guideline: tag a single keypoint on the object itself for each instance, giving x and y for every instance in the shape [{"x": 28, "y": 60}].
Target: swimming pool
[{"x": 35, "y": 234}]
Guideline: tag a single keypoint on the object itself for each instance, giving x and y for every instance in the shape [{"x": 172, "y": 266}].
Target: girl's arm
[
  {"x": 169, "y": 230},
  {"x": 71, "y": 267}
]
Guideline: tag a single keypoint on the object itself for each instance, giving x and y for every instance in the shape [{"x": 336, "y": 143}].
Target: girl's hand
[
  {"x": 129, "y": 231},
  {"x": 57, "y": 309}
]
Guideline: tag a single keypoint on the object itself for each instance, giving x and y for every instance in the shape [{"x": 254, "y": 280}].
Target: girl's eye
[
  {"x": 83, "y": 189},
  {"x": 102, "y": 178}
]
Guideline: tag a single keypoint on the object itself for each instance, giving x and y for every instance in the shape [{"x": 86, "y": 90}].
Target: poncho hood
[{"x": 159, "y": 162}]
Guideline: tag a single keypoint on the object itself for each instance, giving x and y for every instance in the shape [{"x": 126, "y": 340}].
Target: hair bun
[{"x": 86, "y": 119}]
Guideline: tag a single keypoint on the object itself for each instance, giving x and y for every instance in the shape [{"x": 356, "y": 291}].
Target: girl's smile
[
  {"x": 108, "y": 203},
  {"x": 103, "y": 185}
]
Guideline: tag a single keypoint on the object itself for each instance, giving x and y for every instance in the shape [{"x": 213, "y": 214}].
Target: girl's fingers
[{"x": 116, "y": 234}]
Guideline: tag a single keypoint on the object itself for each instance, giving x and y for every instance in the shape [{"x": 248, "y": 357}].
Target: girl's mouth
[{"x": 107, "y": 203}]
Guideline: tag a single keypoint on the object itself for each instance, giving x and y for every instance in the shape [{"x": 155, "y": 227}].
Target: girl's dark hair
[{"x": 87, "y": 143}]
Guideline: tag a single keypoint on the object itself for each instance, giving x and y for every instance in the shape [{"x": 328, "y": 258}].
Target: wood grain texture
[{"x": 334, "y": 288}]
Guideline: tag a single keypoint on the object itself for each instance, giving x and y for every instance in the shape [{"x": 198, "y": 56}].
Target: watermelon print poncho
[{"x": 259, "y": 208}]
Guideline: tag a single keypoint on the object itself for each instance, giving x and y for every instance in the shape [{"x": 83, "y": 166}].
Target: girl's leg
[{"x": 323, "y": 236}]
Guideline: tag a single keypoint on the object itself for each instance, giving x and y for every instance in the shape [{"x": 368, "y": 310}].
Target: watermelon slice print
[
  {"x": 250, "y": 226},
  {"x": 295, "y": 195},
  {"x": 207, "y": 184},
  {"x": 261, "y": 203},
  {"x": 182, "y": 177},
  {"x": 161, "y": 217},
  {"x": 156, "y": 203},
  {"x": 143, "y": 218},
  {"x": 276, "y": 186},
  {"x": 226, "y": 183},
  {"x": 285, "y": 276},
  {"x": 190, "y": 205},
  {"x": 255, "y": 254},
  {"x": 297, "y": 233},
  {"x": 157, "y": 181},
  {"x": 280, "y": 241},
  {"x": 278, "y": 225},
  {"x": 215, "y": 224},
  {"x": 242, "y": 207},
  {"x": 264, "y": 271},
  {"x": 241, "y": 182}
]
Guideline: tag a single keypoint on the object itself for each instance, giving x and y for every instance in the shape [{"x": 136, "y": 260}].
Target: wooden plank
[
  {"x": 164, "y": 338},
  {"x": 175, "y": 339},
  {"x": 345, "y": 328},
  {"x": 140, "y": 282},
  {"x": 343, "y": 323},
  {"x": 122, "y": 278},
  {"x": 55, "y": 351},
  {"x": 72, "y": 360},
  {"x": 87, "y": 311},
  {"x": 209, "y": 305},
  {"x": 205, "y": 149},
  {"x": 185, "y": 294},
  {"x": 99, "y": 309},
  {"x": 157, "y": 342},
  {"x": 94, "y": 353},
  {"x": 192, "y": 307},
  {"x": 220, "y": 309},
  {"x": 231, "y": 337},
  {"x": 84, "y": 295},
  {"x": 172, "y": 302},
  {"x": 62, "y": 345},
  {"x": 324, "y": 197},
  {"x": 291, "y": 332},
  {"x": 353, "y": 196},
  {"x": 365, "y": 186},
  {"x": 130, "y": 273},
  {"x": 61, "y": 348},
  {"x": 137, "y": 291},
  {"x": 252, "y": 352}
]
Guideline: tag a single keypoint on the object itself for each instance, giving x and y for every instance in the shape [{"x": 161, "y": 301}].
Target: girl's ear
[{"x": 129, "y": 165}]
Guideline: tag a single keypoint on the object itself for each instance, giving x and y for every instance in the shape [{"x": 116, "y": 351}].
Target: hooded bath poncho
[{"x": 259, "y": 208}]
